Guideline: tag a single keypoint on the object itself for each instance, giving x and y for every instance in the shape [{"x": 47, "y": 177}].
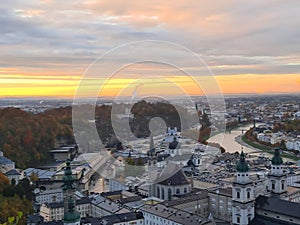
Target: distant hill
[{"x": 26, "y": 138}]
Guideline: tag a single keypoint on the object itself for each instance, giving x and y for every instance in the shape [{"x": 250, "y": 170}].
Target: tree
[
  {"x": 33, "y": 177},
  {"x": 8, "y": 191},
  {"x": 4, "y": 181}
]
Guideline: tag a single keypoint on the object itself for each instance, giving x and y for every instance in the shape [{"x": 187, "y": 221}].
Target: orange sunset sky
[{"x": 251, "y": 47}]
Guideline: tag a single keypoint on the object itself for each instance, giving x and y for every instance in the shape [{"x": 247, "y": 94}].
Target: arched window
[
  {"x": 169, "y": 194},
  {"x": 158, "y": 192},
  {"x": 282, "y": 185},
  {"x": 177, "y": 191},
  {"x": 162, "y": 193},
  {"x": 249, "y": 219},
  {"x": 273, "y": 186},
  {"x": 248, "y": 192},
  {"x": 238, "y": 195},
  {"x": 185, "y": 190}
]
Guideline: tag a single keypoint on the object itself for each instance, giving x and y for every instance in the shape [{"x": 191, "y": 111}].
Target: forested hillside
[{"x": 26, "y": 138}]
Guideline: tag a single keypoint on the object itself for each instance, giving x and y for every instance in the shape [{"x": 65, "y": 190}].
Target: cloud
[{"x": 233, "y": 37}]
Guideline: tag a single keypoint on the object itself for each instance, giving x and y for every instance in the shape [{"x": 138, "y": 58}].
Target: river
[{"x": 230, "y": 143}]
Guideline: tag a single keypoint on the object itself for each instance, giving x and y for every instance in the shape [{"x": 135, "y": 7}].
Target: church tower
[
  {"x": 277, "y": 177},
  {"x": 71, "y": 216},
  {"x": 152, "y": 167},
  {"x": 152, "y": 154},
  {"x": 243, "y": 198}
]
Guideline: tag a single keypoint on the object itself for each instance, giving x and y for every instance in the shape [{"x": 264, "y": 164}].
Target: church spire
[
  {"x": 152, "y": 148},
  {"x": 68, "y": 177},
  {"x": 242, "y": 165},
  {"x": 277, "y": 177},
  {"x": 71, "y": 216},
  {"x": 277, "y": 160},
  {"x": 243, "y": 196}
]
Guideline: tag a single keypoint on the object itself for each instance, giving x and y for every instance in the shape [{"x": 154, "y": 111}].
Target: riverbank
[
  {"x": 229, "y": 142},
  {"x": 244, "y": 141},
  {"x": 240, "y": 139}
]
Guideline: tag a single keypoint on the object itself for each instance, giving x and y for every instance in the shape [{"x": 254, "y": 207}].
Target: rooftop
[
  {"x": 223, "y": 191},
  {"x": 175, "y": 215},
  {"x": 13, "y": 172},
  {"x": 278, "y": 206},
  {"x": 187, "y": 199},
  {"x": 172, "y": 175},
  {"x": 112, "y": 219},
  {"x": 5, "y": 161}
]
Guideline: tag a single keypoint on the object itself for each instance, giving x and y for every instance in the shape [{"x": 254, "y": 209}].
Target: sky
[{"x": 48, "y": 47}]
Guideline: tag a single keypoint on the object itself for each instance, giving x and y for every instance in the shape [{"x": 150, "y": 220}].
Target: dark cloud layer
[{"x": 234, "y": 37}]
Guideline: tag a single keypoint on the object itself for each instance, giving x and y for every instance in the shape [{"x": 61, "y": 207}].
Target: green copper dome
[
  {"x": 242, "y": 165},
  {"x": 277, "y": 160},
  {"x": 71, "y": 217},
  {"x": 68, "y": 177},
  {"x": 70, "y": 214}
]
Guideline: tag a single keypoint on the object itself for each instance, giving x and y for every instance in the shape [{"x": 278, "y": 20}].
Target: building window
[
  {"x": 273, "y": 186},
  {"x": 177, "y": 191},
  {"x": 238, "y": 219},
  {"x": 169, "y": 194},
  {"x": 248, "y": 194},
  {"x": 158, "y": 192},
  {"x": 238, "y": 195},
  {"x": 185, "y": 190},
  {"x": 162, "y": 193}
]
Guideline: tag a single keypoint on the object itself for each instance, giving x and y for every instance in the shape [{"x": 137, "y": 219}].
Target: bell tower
[
  {"x": 243, "y": 198},
  {"x": 71, "y": 216},
  {"x": 277, "y": 177}
]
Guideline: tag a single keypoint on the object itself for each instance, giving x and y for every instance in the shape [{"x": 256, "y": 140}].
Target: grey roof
[
  {"x": 162, "y": 156},
  {"x": 91, "y": 220},
  {"x": 5, "y": 161},
  {"x": 130, "y": 199},
  {"x": 173, "y": 214},
  {"x": 172, "y": 175},
  {"x": 84, "y": 200},
  {"x": 278, "y": 206},
  {"x": 54, "y": 205},
  {"x": 12, "y": 172},
  {"x": 96, "y": 199},
  {"x": 60, "y": 222},
  {"x": 109, "y": 206},
  {"x": 112, "y": 219},
  {"x": 111, "y": 193},
  {"x": 260, "y": 220},
  {"x": 222, "y": 191},
  {"x": 34, "y": 218},
  {"x": 176, "y": 158},
  {"x": 186, "y": 199},
  {"x": 42, "y": 174},
  {"x": 119, "y": 218}
]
